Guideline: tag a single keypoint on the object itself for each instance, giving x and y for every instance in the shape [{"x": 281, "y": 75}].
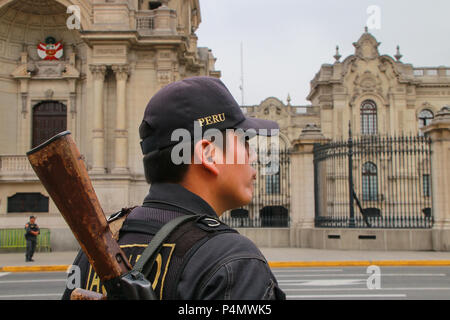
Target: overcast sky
[{"x": 286, "y": 41}]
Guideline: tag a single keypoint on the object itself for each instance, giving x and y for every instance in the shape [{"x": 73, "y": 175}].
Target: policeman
[
  {"x": 31, "y": 233},
  {"x": 205, "y": 259}
]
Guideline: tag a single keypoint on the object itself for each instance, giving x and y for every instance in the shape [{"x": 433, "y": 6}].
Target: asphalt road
[
  {"x": 348, "y": 283},
  {"x": 32, "y": 286},
  {"x": 361, "y": 283}
]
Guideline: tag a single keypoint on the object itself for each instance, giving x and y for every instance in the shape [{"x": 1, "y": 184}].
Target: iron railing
[
  {"x": 14, "y": 239},
  {"x": 373, "y": 182}
]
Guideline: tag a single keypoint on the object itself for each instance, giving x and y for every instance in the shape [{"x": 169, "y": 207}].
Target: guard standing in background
[{"x": 31, "y": 233}]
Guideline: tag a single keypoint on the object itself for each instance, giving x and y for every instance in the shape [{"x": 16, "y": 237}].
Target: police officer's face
[
  {"x": 33, "y": 220},
  {"x": 236, "y": 173}
]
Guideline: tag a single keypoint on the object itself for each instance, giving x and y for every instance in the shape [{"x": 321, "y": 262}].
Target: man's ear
[{"x": 205, "y": 153}]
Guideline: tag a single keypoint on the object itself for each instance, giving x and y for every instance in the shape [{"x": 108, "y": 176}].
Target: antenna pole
[{"x": 242, "y": 74}]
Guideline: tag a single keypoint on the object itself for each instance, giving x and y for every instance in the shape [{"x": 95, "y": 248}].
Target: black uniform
[
  {"x": 201, "y": 261},
  {"x": 31, "y": 240}
]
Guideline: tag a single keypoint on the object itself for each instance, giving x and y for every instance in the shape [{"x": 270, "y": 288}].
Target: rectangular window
[
  {"x": 369, "y": 182},
  {"x": 28, "y": 202},
  {"x": 273, "y": 184},
  {"x": 370, "y": 188}
]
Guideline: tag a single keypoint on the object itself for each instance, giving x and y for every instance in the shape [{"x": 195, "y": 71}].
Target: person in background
[{"x": 31, "y": 233}]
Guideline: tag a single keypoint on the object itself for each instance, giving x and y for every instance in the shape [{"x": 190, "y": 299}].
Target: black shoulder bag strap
[
  {"x": 145, "y": 263},
  {"x": 134, "y": 284}
]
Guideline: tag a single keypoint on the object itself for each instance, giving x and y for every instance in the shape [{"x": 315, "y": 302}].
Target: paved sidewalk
[
  {"x": 43, "y": 261},
  {"x": 277, "y": 257}
]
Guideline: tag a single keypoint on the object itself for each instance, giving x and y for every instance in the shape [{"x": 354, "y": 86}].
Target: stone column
[
  {"x": 302, "y": 184},
  {"x": 121, "y": 133},
  {"x": 439, "y": 132},
  {"x": 98, "y": 133},
  {"x": 72, "y": 121}
]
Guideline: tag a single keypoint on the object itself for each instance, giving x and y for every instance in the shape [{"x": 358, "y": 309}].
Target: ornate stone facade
[
  {"x": 123, "y": 52},
  {"x": 399, "y": 91},
  {"x": 126, "y": 50}
]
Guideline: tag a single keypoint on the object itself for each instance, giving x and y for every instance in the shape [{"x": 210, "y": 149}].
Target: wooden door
[{"x": 49, "y": 119}]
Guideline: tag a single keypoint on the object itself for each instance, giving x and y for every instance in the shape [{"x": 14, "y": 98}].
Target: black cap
[
  {"x": 197, "y": 101},
  {"x": 32, "y": 217}
]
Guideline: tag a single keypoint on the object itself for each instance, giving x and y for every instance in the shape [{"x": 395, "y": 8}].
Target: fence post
[
  {"x": 439, "y": 132},
  {"x": 302, "y": 184},
  {"x": 350, "y": 177}
]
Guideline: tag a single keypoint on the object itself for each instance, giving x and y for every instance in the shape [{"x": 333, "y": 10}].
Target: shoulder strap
[{"x": 147, "y": 259}]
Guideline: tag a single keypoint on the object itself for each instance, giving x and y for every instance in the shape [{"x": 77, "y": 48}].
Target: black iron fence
[
  {"x": 373, "y": 182},
  {"x": 270, "y": 206}
]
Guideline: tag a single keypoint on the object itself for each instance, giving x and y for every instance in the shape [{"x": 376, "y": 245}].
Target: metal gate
[{"x": 373, "y": 182}]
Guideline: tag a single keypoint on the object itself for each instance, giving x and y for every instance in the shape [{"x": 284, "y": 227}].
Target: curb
[
  {"x": 275, "y": 264},
  {"x": 52, "y": 268},
  {"x": 365, "y": 263}
]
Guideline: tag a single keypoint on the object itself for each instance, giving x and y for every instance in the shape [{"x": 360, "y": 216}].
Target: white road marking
[
  {"x": 364, "y": 275},
  {"x": 33, "y": 280},
  {"x": 331, "y": 282},
  {"x": 31, "y": 295},
  {"x": 4, "y": 273},
  {"x": 305, "y": 270},
  {"x": 341, "y": 296},
  {"x": 413, "y": 274}
]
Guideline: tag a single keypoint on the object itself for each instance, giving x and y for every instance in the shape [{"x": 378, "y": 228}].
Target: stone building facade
[
  {"x": 94, "y": 73},
  {"x": 376, "y": 93},
  {"x": 379, "y": 96},
  {"x": 109, "y": 58}
]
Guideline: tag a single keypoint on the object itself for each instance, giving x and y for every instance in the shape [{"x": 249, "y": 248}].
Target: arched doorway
[{"x": 49, "y": 118}]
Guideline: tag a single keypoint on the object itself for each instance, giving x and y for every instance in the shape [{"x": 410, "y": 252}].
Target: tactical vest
[
  {"x": 33, "y": 227},
  {"x": 165, "y": 268}
]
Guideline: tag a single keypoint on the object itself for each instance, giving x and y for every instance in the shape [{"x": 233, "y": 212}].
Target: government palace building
[{"x": 91, "y": 66}]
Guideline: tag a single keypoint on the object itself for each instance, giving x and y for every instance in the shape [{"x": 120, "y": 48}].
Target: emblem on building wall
[{"x": 50, "y": 50}]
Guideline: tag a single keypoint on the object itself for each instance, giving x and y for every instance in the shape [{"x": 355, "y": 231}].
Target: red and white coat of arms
[{"x": 51, "y": 50}]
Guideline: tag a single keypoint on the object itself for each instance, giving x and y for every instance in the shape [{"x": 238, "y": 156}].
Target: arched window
[
  {"x": 49, "y": 119},
  {"x": 425, "y": 118},
  {"x": 369, "y": 182},
  {"x": 369, "y": 118}
]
